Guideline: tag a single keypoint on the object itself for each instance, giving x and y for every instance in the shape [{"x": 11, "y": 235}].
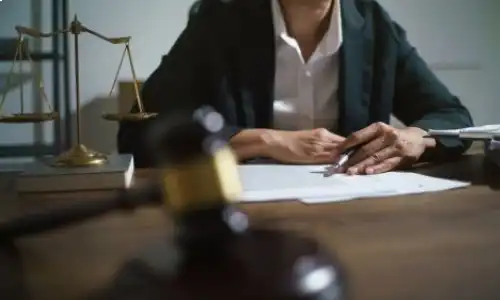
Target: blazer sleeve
[
  {"x": 182, "y": 82},
  {"x": 423, "y": 101}
]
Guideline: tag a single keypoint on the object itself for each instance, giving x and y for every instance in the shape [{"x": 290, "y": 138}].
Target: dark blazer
[{"x": 225, "y": 57}]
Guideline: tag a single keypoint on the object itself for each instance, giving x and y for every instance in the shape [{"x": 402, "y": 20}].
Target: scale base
[{"x": 80, "y": 156}]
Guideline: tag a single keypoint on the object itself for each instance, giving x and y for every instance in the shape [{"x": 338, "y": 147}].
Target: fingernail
[
  {"x": 369, "y": 171},
  {"x": 352, "y": 171}
]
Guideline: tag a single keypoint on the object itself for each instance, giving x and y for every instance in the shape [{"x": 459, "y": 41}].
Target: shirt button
[{"x": 308, "y": 73}]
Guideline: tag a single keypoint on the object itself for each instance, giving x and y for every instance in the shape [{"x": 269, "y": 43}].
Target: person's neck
[{"x": 307, "y": 21}]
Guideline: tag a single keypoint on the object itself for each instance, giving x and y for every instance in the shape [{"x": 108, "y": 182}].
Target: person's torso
[
  {"x": 251, "y": 73},
  {"x": 306, "y": 91}
]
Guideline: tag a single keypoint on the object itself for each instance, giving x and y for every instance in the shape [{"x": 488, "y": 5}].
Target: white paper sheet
[
  {"x": 403, "y": 183},
  {"x": 283, "y": 182}
]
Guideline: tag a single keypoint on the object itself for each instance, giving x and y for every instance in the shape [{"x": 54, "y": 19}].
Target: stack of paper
[{"x": 286, "y": 182}]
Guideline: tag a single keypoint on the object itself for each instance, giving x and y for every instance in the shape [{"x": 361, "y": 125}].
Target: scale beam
[{"x": 79, "y": 155}]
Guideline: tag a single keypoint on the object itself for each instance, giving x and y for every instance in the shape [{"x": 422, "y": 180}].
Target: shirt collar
[{"x": 330, "y": 43}]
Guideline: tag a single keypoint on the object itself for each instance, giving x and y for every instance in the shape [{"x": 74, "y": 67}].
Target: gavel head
[
  {"x": 215, "y": 252},
  {"x": 186, "y": 136},
  {"x": 199, "y": 168}
]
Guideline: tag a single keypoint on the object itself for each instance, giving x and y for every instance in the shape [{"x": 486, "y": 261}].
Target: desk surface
[{"x": 431, "y": 246}]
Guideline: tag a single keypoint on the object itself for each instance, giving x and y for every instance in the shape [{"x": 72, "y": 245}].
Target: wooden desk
[{"x": 433, "y": 246}]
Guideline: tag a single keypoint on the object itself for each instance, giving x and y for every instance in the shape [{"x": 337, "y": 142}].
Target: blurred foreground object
[{"x": 215, "y": 252}]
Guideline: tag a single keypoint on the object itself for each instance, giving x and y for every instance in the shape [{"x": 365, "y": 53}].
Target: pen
[{"x": 341, "y": 162}]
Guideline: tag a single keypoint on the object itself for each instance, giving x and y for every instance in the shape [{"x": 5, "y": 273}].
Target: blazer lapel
[
  {"x": 355, "y": 70},
  {"x": 257, "y": 62}
]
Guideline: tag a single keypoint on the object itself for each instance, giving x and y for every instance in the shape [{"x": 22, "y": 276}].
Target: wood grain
[{"x": 432, "y": 246}]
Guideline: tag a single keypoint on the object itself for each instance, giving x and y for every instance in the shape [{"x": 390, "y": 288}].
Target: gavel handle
[{"x": 40, "y": 222}]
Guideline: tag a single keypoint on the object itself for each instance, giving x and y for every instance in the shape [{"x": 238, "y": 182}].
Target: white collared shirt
[{"x": 305, "y": 93}]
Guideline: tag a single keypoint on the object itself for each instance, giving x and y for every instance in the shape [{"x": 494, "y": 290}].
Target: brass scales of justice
[{"x": 78, "y": 155}]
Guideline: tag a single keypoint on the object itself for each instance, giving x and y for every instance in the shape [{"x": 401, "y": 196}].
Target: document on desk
[{"x": 307, "y": 183}]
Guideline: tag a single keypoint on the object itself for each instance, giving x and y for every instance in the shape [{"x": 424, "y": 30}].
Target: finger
[
  {"x": 318, "y": 158},
  {"x": 374, "y": 159},
  {"x": 333, "y": 138},
  {"x": 311, "y": 149},
  {"x": 326, "y": 145},
  {"x": 385, "y": 166},
  {"x": 369, "y": 150},
  {"x": 325, "y": 135},
  {"x": 331, "y": 147},
  {"x": 323, "y": 157},
  {"x": 362, "y": 136},
  {"x": 315, "y": 148}
]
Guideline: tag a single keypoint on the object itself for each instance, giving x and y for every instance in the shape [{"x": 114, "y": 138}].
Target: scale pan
[{"x": 29, "y": 117}]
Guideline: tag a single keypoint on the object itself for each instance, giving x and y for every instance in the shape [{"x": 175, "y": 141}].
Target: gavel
[{"x": 214, "y": 251}]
